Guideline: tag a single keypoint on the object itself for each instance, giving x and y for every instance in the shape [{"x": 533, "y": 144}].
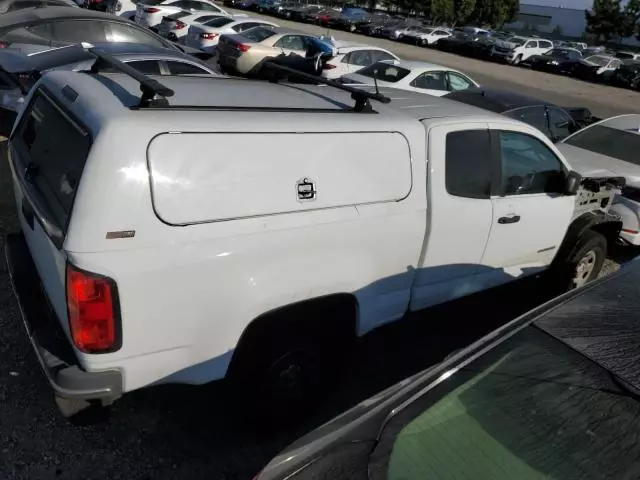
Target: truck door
[
  {"x": 529, "y": 223},
  {"x": 459, "y": 212}
]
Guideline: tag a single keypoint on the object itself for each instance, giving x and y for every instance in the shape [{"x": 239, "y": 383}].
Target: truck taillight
[{"x": 92, "y": 304}]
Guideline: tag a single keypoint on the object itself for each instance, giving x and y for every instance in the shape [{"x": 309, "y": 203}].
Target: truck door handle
[
  {"x": 27, "y": 213},
  {"x": 509, "y": 219}
]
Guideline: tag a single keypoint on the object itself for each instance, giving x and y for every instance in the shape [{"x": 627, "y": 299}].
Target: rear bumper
[{"x": 55, "y": 354}]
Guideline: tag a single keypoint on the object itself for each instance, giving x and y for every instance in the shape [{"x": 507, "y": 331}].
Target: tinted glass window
[
  {"x": 360, "y": 58},
  {"x": 123, "y": 33},
  {"x": 148, "y": 67},
  {"x": 38, "y": 34},
  {"x": 529, "y": 409},
  {"x": 203, "y": 6},
  {"x": 204, "y": 18},
  {"x": 178, "y": 15},
  {"x": 458, "y": 82},
  {"x": 544, "y": 44},
  {"x": 378, "y": 56},
  {"x": 57, "y": 149},
  {"x": 431, "y": 81},
  {"x": 218, "y": 22},
  {"x": 608, "y": 141},
  {"x": 560, "y": 123},
  {"x": 528, "y": 165},
  {"x": 531, "y": 45},
  {"x": 258, "y": 34},
  {"x": 535, "y": 116},
  {"x": 182, "y": 68},
  {"x": 291, "y": 42},
  {"x": 35, "y": 3},
  {"x": 241, "y": 27},
  {"x": 598, "y": 60},
  {"x": 468, "y": 164},
  {"x": 75, "y": 31},
  {"x": 385, "y": 72}
]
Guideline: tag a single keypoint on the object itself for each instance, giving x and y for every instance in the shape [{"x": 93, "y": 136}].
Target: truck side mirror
[{"x": 572, "y": 183}]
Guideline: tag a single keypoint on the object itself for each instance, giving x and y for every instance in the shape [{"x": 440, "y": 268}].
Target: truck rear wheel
[{"x": 284, "y": 365}]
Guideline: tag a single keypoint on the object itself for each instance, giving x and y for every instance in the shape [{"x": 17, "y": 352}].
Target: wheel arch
[
  {"x": 607, "y": 225},
  {"x": 335, "y": 313}
]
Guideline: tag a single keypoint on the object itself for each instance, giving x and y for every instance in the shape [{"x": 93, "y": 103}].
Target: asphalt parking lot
[
  {"x": 603, "y": 101},
  {"x": 176, "y": 432}
]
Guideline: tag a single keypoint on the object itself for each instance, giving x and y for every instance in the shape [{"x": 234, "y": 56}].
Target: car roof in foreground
[
  {"x": 14, "y": 61},
  {"x": 496, "y": 100},
  {"x": 592, "y": 321},
  {"x": 29, "y": 15}
]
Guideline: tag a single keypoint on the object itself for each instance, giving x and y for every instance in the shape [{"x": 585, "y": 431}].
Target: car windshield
[
  {"x": 178, "y": 15},
  {"x": 258, "y": 34},
  {"x": 558, "y": 53},
  {"x": 384, "y": 72},
  {"x": 531, "y": 408},
  {"x": 424, "y": 30},
  {"x": 516, "y": 40},
  {"x": 598, "y": 60},
  {"x": 218, "y": 22},
  {"x": 624, "y": 55},
  {"x": 612, "y": 142}
]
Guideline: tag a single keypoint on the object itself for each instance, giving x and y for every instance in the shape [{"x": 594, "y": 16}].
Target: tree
[
  {"x": 496, "y": 12},
  {"x": 441, "y": 11},
  {"x": 464, "y": 11},
  {"x": 605, "y": 20},
  {"x": 630, "y": 18}
]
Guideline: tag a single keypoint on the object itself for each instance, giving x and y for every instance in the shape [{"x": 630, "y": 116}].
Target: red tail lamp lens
[{"x": 92, "y": 302}]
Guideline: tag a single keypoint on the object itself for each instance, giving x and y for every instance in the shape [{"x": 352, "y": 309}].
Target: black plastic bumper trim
[{"x": 49, "y": 342}]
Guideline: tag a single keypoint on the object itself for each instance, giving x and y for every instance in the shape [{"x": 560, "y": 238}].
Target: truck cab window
[
  {"x": 468, "y": 164},
  {"x": 527, "y": 164}
]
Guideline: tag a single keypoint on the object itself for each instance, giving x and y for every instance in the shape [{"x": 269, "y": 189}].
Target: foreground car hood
[{"x": 591, "y": 164}]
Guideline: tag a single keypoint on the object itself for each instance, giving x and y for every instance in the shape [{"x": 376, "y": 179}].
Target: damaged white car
[{"x": 612, "y": 147}]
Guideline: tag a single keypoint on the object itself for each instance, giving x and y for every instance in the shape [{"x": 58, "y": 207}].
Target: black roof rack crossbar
[
  {"x": 360, "y": 96},
  {"x": 149, "y": 87}
]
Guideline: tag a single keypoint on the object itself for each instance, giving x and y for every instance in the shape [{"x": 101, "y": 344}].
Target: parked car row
[{"x": 570, "y": 58}]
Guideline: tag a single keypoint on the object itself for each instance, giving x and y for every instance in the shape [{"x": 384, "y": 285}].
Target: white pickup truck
[{"x": 214, "y": 228}]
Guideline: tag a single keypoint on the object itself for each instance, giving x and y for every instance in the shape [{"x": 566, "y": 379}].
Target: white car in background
[
  {"x": 149, "y": 13},
  {"x": 205, "y": 36},
  {"x": 175, "y": 26},
  {"x": 420, "y": 77},
  {"x": 350, "y": 57},
  {"x": 426, "y": 36},
  {"x": 610, "y": 148},
  {"x": 516, "y": 50}
]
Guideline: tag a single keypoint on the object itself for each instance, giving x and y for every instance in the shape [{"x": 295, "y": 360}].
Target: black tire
[
  {"x": 584, "y": 265},
  {"x": 280, "y": 371}
]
